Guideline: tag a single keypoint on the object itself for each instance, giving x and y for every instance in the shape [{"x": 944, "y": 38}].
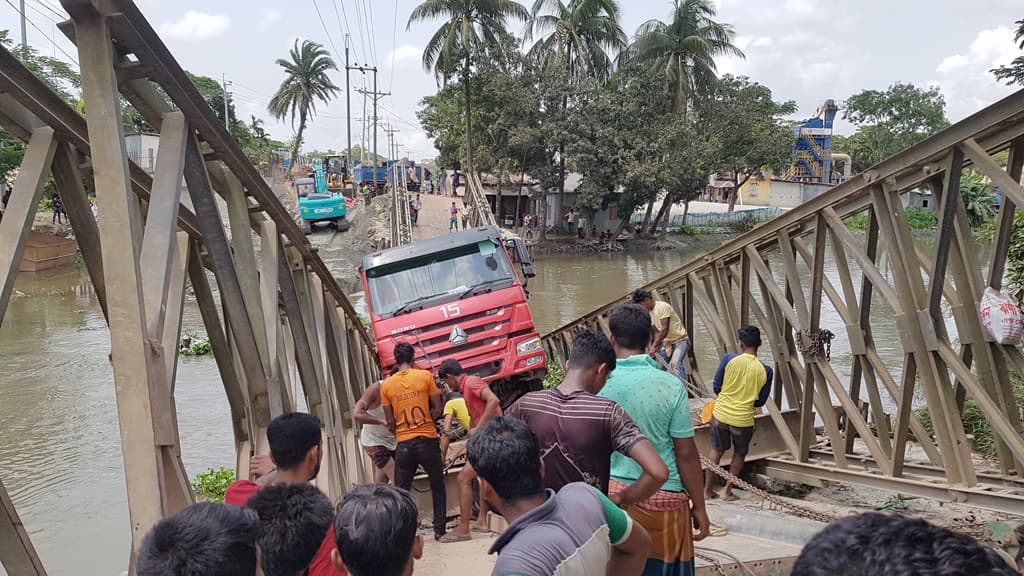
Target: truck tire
[{"x": 342, "y": 224}]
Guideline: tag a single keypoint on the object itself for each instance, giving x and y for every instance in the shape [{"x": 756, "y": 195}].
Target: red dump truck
[{"x": 458, "y": 296}]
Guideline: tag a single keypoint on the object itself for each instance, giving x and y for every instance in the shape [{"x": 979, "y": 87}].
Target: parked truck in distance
[{"x": 458, "y": 296}]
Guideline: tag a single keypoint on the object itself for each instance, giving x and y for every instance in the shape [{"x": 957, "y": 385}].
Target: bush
[
  {"x": 917, "y": 219},
  {"x": 975, "y": 422},
  {"x": 687, "y": 230},
  {"x": 554, "y": 377},
  {"x": 211, "y": 485}
]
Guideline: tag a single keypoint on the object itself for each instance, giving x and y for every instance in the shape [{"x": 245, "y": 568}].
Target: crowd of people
[{"x": 598, "y": 475}]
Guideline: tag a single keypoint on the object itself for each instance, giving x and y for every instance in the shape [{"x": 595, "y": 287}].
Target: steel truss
[
  {"x": 281, "y": 314},
  {"x": 734, "y": 285}
]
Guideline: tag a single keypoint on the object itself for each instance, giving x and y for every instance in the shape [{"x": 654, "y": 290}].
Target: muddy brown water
[{"x": 59, "y": 440}]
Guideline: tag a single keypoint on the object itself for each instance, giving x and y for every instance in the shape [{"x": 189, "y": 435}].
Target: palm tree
[
  {"x": 685, "y": 48},
  {"x": 305, "y": 83},
  {"x": 581, "y": 31},
  {"x": 470, "y": 29}
]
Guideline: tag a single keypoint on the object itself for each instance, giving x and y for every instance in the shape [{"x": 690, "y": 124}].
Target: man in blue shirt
[
  {"x": 742, "y": 383},
  {"x": 659, "y": 405}
]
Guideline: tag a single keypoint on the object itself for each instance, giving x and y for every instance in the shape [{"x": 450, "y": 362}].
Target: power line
[
  {"x": 45, "y": 35},
  {"x": 52, "y": 11},
  {"x": 367, "y": 9},
  {"x": 346, "y": 29},
  {"x": 394, "y": 45},
  {"x": 329, "y": 39},
  {"x": 362, "y": 30}
]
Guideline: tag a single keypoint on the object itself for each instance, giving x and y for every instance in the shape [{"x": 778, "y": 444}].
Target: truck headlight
[{"x": 529, "y": 346}]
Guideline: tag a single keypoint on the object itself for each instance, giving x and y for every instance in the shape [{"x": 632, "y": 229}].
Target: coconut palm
[
  {"x": 306, "y": 83},
  {"x": 685, "y": 48},
  {"x": 470, "y": 29},
  {"x": 583, "y": 32}
]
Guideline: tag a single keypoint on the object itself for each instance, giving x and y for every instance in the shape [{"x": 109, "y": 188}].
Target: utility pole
[
  {"x": 225, "y": 84},
  {"x": 348, "y": 115},
  {"x": 24, "y": 37},
  {"x": 375, "y": 96}
]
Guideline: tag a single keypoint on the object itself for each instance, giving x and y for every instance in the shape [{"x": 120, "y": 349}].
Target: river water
[{"x": 59, "y": 453}]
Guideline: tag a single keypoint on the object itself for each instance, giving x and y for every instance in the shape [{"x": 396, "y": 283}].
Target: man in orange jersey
[{"x": 412, "y": 402}]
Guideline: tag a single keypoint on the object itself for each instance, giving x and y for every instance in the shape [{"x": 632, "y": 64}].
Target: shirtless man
[{"x": 377, "y": 441}]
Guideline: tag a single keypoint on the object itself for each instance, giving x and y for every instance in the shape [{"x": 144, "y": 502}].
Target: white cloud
[
  {"x": 405, "y": 54},
  {"x": 196, "y": 25},
  {"x": 951, "y": 63},
  {"x": 268, "y": 18},
  {"x": 964, "y": 78},
  {"x": 799, "y": 7}
]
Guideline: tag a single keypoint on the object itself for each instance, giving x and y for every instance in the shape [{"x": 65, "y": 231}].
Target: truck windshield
[{"x": 438, "y": 277}]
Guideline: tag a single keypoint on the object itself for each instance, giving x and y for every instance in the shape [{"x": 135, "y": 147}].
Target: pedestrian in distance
[
  {"x": 294, "y": 519},
  {"x": 204, "y": 539},
  {"x": 742, "y": 383},
  {"x": 412, "y": 403},
  {"x": 442, "y": 182},
  {"x": 576, "y": 531},
  {"x": 428, "y": 186},
  {"x": 58, "y": 209},
  {"x": 376, "y": 532},
  {"x": 295, "y": 456},
  {"x": 894, "y": 545},
  {"x": 453, "y": 218},
  {"x": 579, "y": 431},
  {"x": 483, "y": 405},
  {"x": 660, "y": 406},
  {"x": 415, "y": 206},
  {"x": 464, "y": 213},
  {"x": 671, "y": 341},
  {"x": 377, "y": 441}
]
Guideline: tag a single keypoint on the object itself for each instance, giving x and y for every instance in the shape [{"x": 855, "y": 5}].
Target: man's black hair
[
  {"x": 630, "y": 324},
  {"x": 876, "y": 543},
  {"x": 506, "y": 453},
  {"x": 291, "y": 436},
  {"x": 294, "y": 519},
  {"x": 591, "y": 348},
  {"x": 375, "y": 530},
  {"x": 640, "y": 295},
  {"x": 202, "y": 540},
  {"x": 450, "y": 367},
  {"x": 750, "y": 336},
  {"x": 404, "y": 353}
]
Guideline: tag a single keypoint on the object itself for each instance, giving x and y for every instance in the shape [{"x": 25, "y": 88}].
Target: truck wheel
[{"x": 342, "y": 224}]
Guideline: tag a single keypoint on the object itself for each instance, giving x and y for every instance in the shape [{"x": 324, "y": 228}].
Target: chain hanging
[{"x": 815, "y": 342}]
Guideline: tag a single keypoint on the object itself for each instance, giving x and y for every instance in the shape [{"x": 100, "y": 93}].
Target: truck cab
[{"x": 457, "y": 296}]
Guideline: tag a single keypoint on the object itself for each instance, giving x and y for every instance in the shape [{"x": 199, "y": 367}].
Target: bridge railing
[
  {"x": 281, "y": 317},
  {"x": 480, "y": 213},
  {"x": 401, "y": 223},
  {"x": 774, "y": 277}
]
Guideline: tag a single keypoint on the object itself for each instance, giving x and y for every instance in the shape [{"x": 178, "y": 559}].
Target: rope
[
  {"x": 796, "y": 509},
  {"x": 700, "y": 553}
]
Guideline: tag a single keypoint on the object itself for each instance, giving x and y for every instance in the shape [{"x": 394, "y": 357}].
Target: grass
[
  {"x": 211, "y": 485},
  {"x": 917, "y": 219},
  {"x": 975, "y": 422},
  {"x": 554, "y": 377}
]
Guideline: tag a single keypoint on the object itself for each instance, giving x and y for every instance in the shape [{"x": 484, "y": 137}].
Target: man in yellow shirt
[
  {"x": 456, "y": 421},
  {"x": 671, "y": 341},
  {"x": 742, "y": 383}
]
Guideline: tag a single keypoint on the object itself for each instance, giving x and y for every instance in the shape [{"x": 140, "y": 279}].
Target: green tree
[
  {"x": 889, "y": 121},
  {"x": 977, "y": 197},
  {"x": 685, "y": 48},
  {"x": 584, "y": 32},
  {"x": 56, "y": 73},
  {"x": 581, "y": 33},
  {"x": 306, "y": 83},
  {"x": 1013, "y": 73},
  {"x": 746, "y": 127},
  {"x": 470, "y": 29}
]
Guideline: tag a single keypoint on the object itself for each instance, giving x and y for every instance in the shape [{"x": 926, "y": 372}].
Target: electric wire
[
  {"x": 346, "y": 30},
  {"x": 328, "y": 34},
  {"x": 368, "y": 10},
  {"x": 45, "y": 35},
  {"x": 394, "y": 46},
  {"x": 51, "y": 10}
]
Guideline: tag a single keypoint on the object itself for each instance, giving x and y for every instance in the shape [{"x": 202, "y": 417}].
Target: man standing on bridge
[
  {"x": 412, "y": 402},
  {"x": 671, "y": 342},
  {"x": 742, "y": 383},
  {"x": 483, "y": 405},
  {"x": 660, "y": 406}
]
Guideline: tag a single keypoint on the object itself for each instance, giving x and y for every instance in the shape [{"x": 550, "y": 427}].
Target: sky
[{"x": 803, "y": 50}]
